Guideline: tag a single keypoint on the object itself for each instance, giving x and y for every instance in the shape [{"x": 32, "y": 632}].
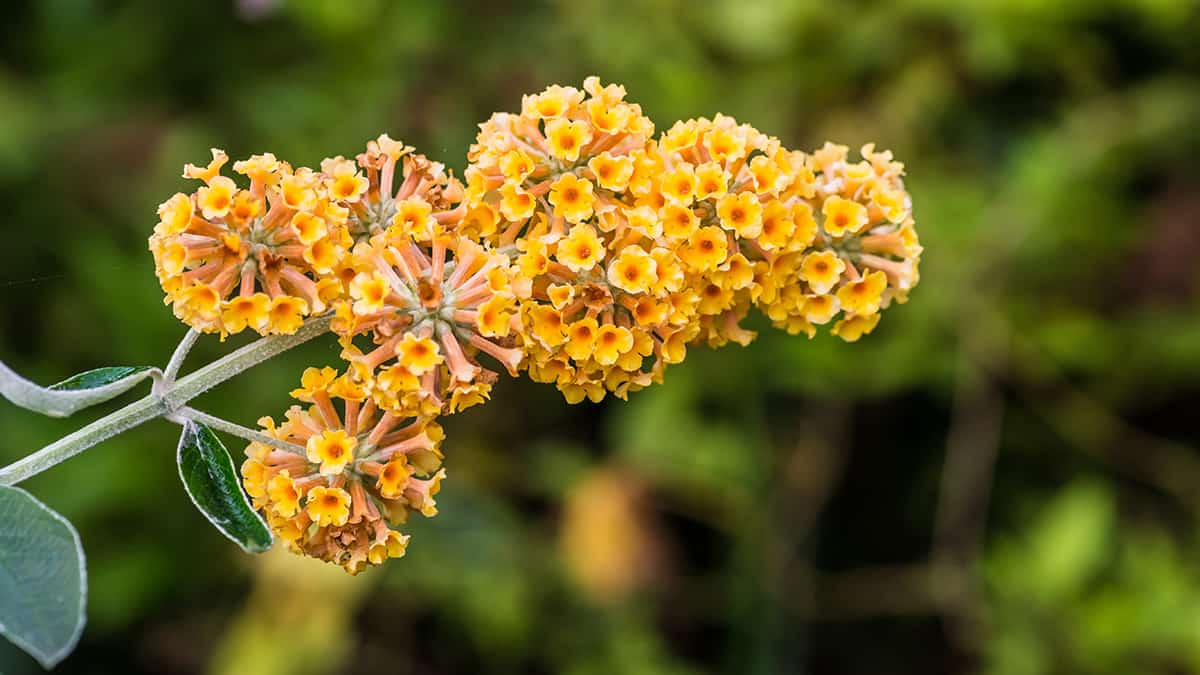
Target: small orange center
[{"x": 427, "y": 292}]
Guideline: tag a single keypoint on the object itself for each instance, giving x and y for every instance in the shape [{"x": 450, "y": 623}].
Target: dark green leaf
[
  {"x": 98, "y": 377},
  {"x": 212, "y": 482},
  {"x": 43, "y": 578}
]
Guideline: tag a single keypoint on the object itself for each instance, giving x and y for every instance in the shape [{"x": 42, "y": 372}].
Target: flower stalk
[{"x": 234, "y": 429}]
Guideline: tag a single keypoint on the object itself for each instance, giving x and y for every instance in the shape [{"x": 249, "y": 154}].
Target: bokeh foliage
[{"x": 780, "y": 508}]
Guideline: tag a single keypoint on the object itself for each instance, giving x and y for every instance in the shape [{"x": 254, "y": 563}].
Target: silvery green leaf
[
  {"x": 73, "y": 394},
  {"x": 43, "y": 578},
  {"x": 212, "y": 482}
]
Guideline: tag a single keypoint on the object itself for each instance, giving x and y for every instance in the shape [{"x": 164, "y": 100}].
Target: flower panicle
[{"x": 579, "y": 248}]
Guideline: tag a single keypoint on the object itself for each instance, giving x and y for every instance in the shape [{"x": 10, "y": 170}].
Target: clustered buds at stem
[{"x": 582, "y": 250}]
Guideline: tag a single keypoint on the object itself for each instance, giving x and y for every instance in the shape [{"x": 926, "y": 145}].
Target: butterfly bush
[{"x": 580, "y": 248}]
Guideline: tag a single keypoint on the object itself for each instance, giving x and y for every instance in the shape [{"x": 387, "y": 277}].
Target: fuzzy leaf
[
  {"x": 74, "y": 393},
  {"x": 98, "y": 377},
  {"x": 43, "y": 578},
  {"x": 212, "y": 482}
]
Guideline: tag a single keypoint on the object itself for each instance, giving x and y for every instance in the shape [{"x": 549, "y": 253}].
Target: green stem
[
  {"x": 181, "y": 352},
  {"x": 234, "y": 429},
  {"x": 172, "y": 397},
  {"x": 188, "y": 388},
  {"x": 68, "y": 446}
]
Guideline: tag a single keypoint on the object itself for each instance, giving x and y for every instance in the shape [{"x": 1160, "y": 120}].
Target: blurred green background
[{"x": 1002, "y": 479}]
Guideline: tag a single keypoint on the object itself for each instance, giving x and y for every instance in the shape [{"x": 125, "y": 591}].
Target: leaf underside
[
  {"x": 211, "y": 481},
  {"x": 43, "y": 578},
  {"x": 74, "y": 393}
]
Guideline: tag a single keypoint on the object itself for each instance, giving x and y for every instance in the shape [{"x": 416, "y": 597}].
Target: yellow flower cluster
[
  {"x": 601, "y": 269},
  {"x": 804, "y": 236},
  {"x": 232, "y": 258},
  {"x": 863, "y": 252},
  {"x": 430, "y": 299},
  {"x": 362, "y": 471},
  {"x": 581, "y": 249},
  {"x": 431, "y": 310},
  {"x": 403, "y": 192},
  {"x": 627, "y": 249},
  {"x": 735, "y": 190}
]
